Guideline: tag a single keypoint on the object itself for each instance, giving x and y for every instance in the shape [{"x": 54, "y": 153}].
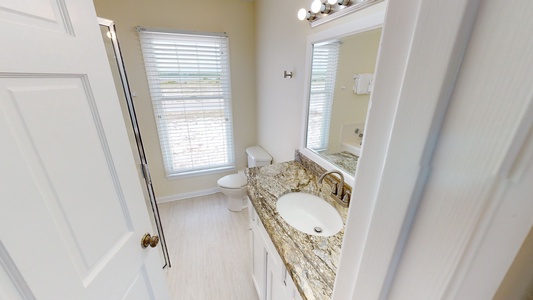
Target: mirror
[{"x": 337, "y": 110}]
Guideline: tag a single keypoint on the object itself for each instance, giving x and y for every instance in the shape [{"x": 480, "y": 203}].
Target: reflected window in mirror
[{"x": 323, "y": 75}]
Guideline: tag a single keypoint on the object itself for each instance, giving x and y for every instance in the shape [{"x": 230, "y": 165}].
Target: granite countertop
[
  {"x": 312, "y": 261},
  {"x": 345, "y": 160}
]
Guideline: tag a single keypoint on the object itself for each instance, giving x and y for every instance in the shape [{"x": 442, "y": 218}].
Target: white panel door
[{"x": 72, "y": 211}]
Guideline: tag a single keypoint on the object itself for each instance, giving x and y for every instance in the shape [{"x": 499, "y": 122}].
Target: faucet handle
[
  {"x": 335, "y": 189},
  {"x": 346, "y": 197}
]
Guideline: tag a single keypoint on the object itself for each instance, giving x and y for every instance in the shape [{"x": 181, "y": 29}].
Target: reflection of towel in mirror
[{"x": 363, "y": 83}]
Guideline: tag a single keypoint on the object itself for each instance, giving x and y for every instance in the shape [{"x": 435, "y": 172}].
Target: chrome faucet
[{"x": 338, "y": 190}]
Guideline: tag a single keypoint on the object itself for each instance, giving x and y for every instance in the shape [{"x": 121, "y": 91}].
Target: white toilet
[{"x": 234, "y": 185}]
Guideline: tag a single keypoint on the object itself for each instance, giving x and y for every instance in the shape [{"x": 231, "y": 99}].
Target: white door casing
[
  {"x": 72, "y": 211},
  {"x": 442, "y": 200},
  {"x": 477, "y": 205}
]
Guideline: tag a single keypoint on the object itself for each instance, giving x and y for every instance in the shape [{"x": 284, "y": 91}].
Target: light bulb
[
  {"x": 315, "y": 6},
  {"x": 332, "y": 2},
  {"x": 302, "y": 13},
  {"x": 325, "y": 8}
]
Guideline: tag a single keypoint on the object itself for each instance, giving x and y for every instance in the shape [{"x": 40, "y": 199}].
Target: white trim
[
  {"x": 492, "y": 202},
  {"x": 189, "y": 32},
  {"x": 202, "y": 173},
  {"x": 492, "y": 217},
  {"x": 185, "y": 196},
  {"x": 105, "y": 22},
  {"x": 391, "y": 173},
  {"x": 363, "y": 24}
]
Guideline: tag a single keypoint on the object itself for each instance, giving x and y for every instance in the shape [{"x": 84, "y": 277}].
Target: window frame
[{"x": 218, "y": 100}]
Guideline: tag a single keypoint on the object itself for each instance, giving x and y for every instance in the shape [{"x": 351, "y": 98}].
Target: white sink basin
[{"x": 309, "y": 214}]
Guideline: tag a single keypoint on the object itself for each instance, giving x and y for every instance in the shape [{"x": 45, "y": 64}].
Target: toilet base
[{"x": 237, "y": 204}]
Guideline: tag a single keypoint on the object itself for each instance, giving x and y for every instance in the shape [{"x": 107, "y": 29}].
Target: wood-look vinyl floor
[{"x": 209, "y": 249}]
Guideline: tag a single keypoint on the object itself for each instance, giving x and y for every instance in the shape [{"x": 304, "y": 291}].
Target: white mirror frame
[{"x": 367, "y": 23}]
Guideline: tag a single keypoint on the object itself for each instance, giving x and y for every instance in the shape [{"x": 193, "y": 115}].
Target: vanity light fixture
[
  {"x": 323, "y": 11},
  {"x": 343, "y": 2}
]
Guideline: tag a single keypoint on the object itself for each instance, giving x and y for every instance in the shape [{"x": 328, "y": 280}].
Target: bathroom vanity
[
  {"x": 331, "y": 138},
  {"x": 287, "y": 263},
  {"x": 271, "y": 279}
]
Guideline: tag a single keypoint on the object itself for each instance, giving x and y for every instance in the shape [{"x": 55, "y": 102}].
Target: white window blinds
[
  {"x": 323, "y": 75},
  {"x": 189, "y": 81}
]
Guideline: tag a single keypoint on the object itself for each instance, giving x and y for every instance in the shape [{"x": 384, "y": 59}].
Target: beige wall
[
  {"x": 236, "y": 18},
  {"x": 281, "y": 41},
  {"x": 357, "y": 54},
  {"x": 518, "y": 282}
]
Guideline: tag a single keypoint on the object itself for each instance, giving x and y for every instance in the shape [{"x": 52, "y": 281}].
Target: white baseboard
[{"x": 184, "y": 196}]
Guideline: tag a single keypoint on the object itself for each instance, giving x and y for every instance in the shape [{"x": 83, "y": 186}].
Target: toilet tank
[{"x": 257, "y": 157}]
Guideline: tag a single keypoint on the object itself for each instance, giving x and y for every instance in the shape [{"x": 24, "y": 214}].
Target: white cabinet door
[
  {"x": 259, "y": 258},
  {"x": 268, "y": 272},
  {"x": 292, "y": 291},
  {"x": 276, "y": 289},
  {"x": 259, "y": 264},
  {"x": 72, "y": 212}
]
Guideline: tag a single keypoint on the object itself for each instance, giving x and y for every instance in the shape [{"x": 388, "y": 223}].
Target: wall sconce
[{"x": 323, "y": 11}]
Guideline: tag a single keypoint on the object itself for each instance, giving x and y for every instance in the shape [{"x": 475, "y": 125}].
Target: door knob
[{"x": 148, "y": 240}]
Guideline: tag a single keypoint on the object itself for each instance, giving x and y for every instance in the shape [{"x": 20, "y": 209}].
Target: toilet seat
[{"x": 233, "y": 181}]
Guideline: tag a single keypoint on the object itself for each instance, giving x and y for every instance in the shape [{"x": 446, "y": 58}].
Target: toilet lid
[{"x": 234, "y": 181}]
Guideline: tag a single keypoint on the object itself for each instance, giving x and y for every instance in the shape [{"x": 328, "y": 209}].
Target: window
[
  {"x": 323, "y": 75},
  {"x": 189, "y": 79}
]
